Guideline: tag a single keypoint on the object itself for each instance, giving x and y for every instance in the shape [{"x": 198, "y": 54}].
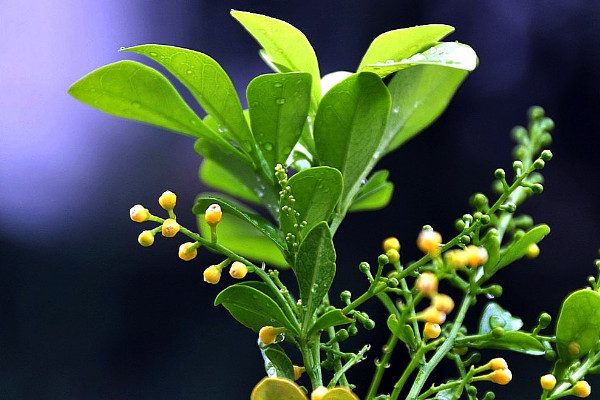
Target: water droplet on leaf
[{"x": 280, "y": 101}]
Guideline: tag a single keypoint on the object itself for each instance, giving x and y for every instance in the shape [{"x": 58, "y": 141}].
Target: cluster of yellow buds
[
  {"x": 500, "y": 373},
  {"x": 441, "y": 304},
  {"x": 391, "y": 247},
  {"x": 472, "y": 256}
]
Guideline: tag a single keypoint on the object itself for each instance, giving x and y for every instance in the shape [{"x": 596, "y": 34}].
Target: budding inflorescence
[
  {"x": 238, "y": 270},
  {"x": 429, "y": 241}
]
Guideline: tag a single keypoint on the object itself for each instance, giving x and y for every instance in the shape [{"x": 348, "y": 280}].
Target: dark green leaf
[
  {"x": 494, "y": 316},
  {"x": 330, "y": 318},
  {"x": 253, "y": 308},
  {"x": 315, "y": 269},
  {"x": 277, "y": 363},
  {"x": 278, "y": 106},
  {"x": 217, "y": 177},
  {"x": 263, "y": 287},
  {"x": 518, "y": 249},
  {"x": 517, "y": 341},
  {"x": 402, "y": 331},
  {"x": 578, "y": 324},
  {"x": 375, "y": 194},
  {"x": 419, "y": 96},
  {"x": 349, "y": 127},
  {"x": 208, "y": 83},
  {"x": 132, "y": 90},
  {"x": 400, "y": 44}
]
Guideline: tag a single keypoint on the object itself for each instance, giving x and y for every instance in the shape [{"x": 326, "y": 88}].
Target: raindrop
[
  {"x": 389, "y": 61},
  {"x": 278, "y": 85},
  {"x": 268, "y": 146},
  {"x": 280, "y": 101},
  {"x": 396, "y": 110},
  {"x": 121, "y": 48},
  {"x": 189, "y": 71},
  {"x": 153, "y": 54},
  {"x": 247, "y": 146},
  {"x": 489, "y": 296}
]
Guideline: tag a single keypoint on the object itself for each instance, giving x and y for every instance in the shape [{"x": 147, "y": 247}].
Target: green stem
[
  {"x": 381, "y": 367},
  {"x": 352, "y": 362}
]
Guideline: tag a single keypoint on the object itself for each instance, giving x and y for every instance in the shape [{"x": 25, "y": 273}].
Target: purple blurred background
[{"x": 89, "y": 314}]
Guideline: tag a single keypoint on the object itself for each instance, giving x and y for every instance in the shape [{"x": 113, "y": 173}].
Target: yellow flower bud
[
  {"x": 170, "y": 228},
  {"x": 429, "y": 242},
  {"x": 138, "y": 213},
  {"x": 574, "y": 348},
  {"x": 188, "y": 251},
  {"x": 430, "y": 314},
  {"x": 319, "y": 393},
  {"x": 298, "y": 371},
  {"x": 393, "y": 255},
  {"x": 238, "y": 270},
  {"x": 427, "y": 283},
  {"x": 461, "y": 351},
  {"x": 548, "y": 382},
  {"x": 456, "y": 259},
  {"x": 475, "y": 256},
  {"x": 268, "y": 334},
  {"x": 501, "y": 376},
  {"x": 212, "y": 274},
  {"x": 443, "y": 303},
  {"x": 533, "y": 251},
  {"x": 391, "y": 243},
  {"x": 146, "y": 238},
  {"x": 431, "y": 330},
  {"x": 582, "y": 389},
  {"x": 167, "y": 200},
  {"x": 498, "y": 363},
  {"x": 213, "y": 214}
]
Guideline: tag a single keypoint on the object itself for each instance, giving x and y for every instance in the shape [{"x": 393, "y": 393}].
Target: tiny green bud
[
  {"x": 546, "y": 155},
  {"x": 494, "y": 290},
  {"x": 352, "y": 330},
  {"x": 539, "y": 164},
  {"x": 472, "y": 391},
  {"x": 535, "y": 112},
  {"x": 479, "y": 201},
  {"x": 477, "y": 215},
  {"x": 509, "y": 207},
  {"x": 489, "y": 396},
  {"x": 500, "y": 174},
  {"x": 518, "y": 133},
  {"x": 341, "y": 335},
  {"x": 537, "y": 188},
  {"x": 467, "y": 218},
  {"x": 369, "y": 324},
  {"x": 550, "y": 355},
  {"x": 547, "y": 124},
  {"x": 517, "y": 166},
  {"x": 383, "y": 259},
  {"x": 427, "y": 228},
  {"x": 545, "y": 139},
  {"x": 393, "y": 282},
  {"x": 520, "y": 152},
  {"x": 485, "y": 219},
  {"x": 544, "y": 320},
  {"x": 498, "y": 332},
  {"x": 459, "y": 224},
  {"x": 345, "y": 296},
  {"x": 364, "y": 267},
  {"x": 465, "y": 239}
]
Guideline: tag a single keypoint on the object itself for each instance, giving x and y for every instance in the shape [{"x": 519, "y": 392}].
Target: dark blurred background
[{"x": 87, "y": 313}]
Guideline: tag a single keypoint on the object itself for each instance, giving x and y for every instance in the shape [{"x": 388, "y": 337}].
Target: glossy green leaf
[
  {"x": 446, "y": 54},
  {"x": 333, "y": 78},
  {"x": 491, "y": 243},
  {"x": 329, "y": 319},
  {"x": 375, "y": 194},
  {"x": 316, "y": 190},
  {"x": 315, "y": 269},
  {"x": 132, "y": 90},
  {"x": 419, "y": 96},
  {"x": 277, "y": 363},
  {"x": 446, "y": 394},
  {"x": 578, "y": 323},
  {"x": 209, "y": 84},
  {"x": 277, "y": 389},
  {"x": 517, "y": 341},
  {"x": 253, "y": 308},
  {"x": 403, "y": 332},
  {"x": 262, "y": 287},
  {"x": 494, "y": 316},
  {"x": 340, "y": 393},
  {"x": 518, "y": 249},
  {"x": 217, "y": 177},
  {"x": 349, "y": 127},
  {"x": 400, "y": 44},
  {"x": 285, "y": 46},
  {"x": 278, "y": 106}
]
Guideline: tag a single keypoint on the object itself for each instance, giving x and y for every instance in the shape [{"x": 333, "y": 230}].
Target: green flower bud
[
  {"x": 546, "y": 155},
  {"x": 364, "y": 267},
  {"x": 498, "y": 332},
  {"x": 341, "y": 335},
  {"x": 535, "y": 112}
]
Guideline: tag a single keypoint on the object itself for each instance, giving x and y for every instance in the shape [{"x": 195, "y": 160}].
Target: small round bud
[
  {"x": 479, "y": 201},
  {"x": 489, "y": 396},
  {"x": 465, "y": 239},
  {"x": 146, "y": 238},
  {"x": 443, "y": 303},
  {"x": 319, "y": 393},
  {"x": 212, "y": 274},
  {"x": 539, "y": 164},
  {"x": 517, "y": 165},
  {"x": 501, "y": 376},
  {"x": 353, "y": 330},
  {"x": 268, "y": 334},
  {"x": 393, "y": 255},
  {"x": 509, "y": 207},
  {"x": 238, "y": 270},
  {"x": 461, "y": 351},
  {"x": 298, "y": 371},
  {"x": 550, "y": 355},
  {"x": 429, "y": 241},
  {"x": 431, "y": 314},
  {"x": 582, "y": 389},
  {"x": 544, "y": 320},
  {"x": 455, "y": 259},
  {"x": 213, "y": 214},
  {"x": 537, "y": 188},
  {"x": 547, "y": 124},
  {"x": 170, "y": 228},
  {"x": 545, "y": 139},
  {"x": 383, "y": 259},
  {"x": 472, "y": 391},
  {"x": 498, "y": 363},
  {"x": 494, "y": 290},
  {"x": 345, "y": 296},
  {"x": 498, "y": 332},
  {"x": 342, "y": 335},
  {"x": 427, "y": 283},
  {"x": 535, "y": 112},
  {"x": 364, "y": 267},
  {"x": 518, "y": 133},
  {"x": 369, "y": 324},
  {"x": 393, "y": 282},
  {"x": 476, "y": 256},
  {"x": 548, "y": 382},
  {"x": 459, "y": 224},
  {"x": 533, "y": 251},
  {"x": 391, "y": 243},
  {"x": 485, "y": 219},
  {"x": 188, "y": 251},
  {"x": 500, "y": 174},
  {"x": 431, "y": 330},
  {"x": 167, "y": 200},
  {"x": 139, "y": 213},
  {"x": 546, "y": 155}
]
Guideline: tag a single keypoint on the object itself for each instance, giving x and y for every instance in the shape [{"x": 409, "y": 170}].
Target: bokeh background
[{"x": 86, "y": 313}]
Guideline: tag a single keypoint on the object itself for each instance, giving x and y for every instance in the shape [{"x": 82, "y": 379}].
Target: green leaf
[
  {"x": 517, "y": 341},
  {"x": 339, "y": 393},
  {"x": 446, "y": 54},
  {"x": 217, "y": 177},
  {"x": 277, "y": 389},
  {"x": 316, "y": 190},
  {"x": 494, "y": 316},
  {"x": 331, "y": 79},
  {"x": 375, "y": 194},
  {"x": 253, "y": 308},
  {"x": 446, "y": 394},
  {"x": 262, "y": 287},
  {"x": 578, "y": 323},
  {"x": 208, "y": 83},
  {"x": 132, "y": 90},
  {"x": 419, "y": 96},
  {"x": 518, "y": 249},
  {"x": 315, "y": 269},
  {"x": 349, "y": 127},
  {"x": 285, "y": 46},
  {"x": 403, "y": 332},
  {"x": 329, "y": 319},
  {"x": 277, "y": 363},
  {"x": 399, "y": 44},
  {"x": 491, "y": 243},
  {"x": 278, "y": 106}
]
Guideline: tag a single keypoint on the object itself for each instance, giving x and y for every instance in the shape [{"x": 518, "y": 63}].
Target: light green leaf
[
  {"x": 315, "y": 269},
  {"x": 277, "y": 363},
  {"x": 578, "y": 324},
  {"x": 399, "y": 44},
  {"x": 340, "y": 393},
  {"x": 491, "y": 243},
  {"x": 217, "y": 177},
  {"x": 494, "y": 316},
  {"x": 278, "y": 106},
  {"x": 518, "y": 249},
  {"x": 208, "y": 83},
  {"x": 419, "y": 96},
  {"x": 329, "y": 319},
  {"x": 331, "y": 79},
  {"x": 403, "y": 332},
  {"x": 517, "y": 341},
  {"x": 375, "y": 194},
  {"x": 446, "y": 394},
  {"x": 277, "y": 389},
  {"x": 262, "y": 287},
  {"x": 349, "y": 127},
  {"x": 316, "y": 190},
  {"x": 286, "y": 47},
  {"x": 132, "y": 90},
  {"x": 253, "y": 308}
]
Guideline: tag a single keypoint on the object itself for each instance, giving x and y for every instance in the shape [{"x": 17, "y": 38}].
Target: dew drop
[
  {"x": 489, "y": 296},
  {"x": 121, "y": 48},
  {"x": 153, "y": 53},
  {"x": 268, "y": 146},
  {"x": 278, "y": 85},
  {"x": 280, "y": 101},
  {"x": 189, "y": 71},
  {"x": 247, "y": 146},
  {"x": 396, "y": 110}
]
